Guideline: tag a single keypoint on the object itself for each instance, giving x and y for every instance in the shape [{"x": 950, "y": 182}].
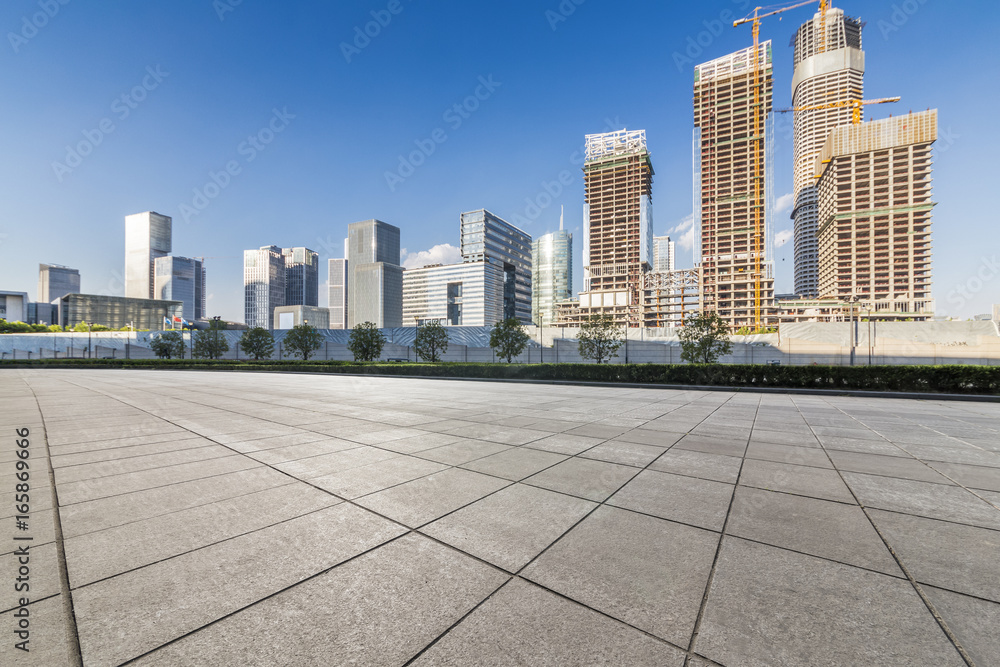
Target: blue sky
[{"x": 255, "y": 123}]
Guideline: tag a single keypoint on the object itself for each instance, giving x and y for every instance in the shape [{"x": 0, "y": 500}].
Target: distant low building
[
  {"x": 287, "y": 317},
  {"x": 14, "y": 306},
  {"x": 466, "y": 294},
  {"x": 55, "y": 281},
  {"x": 117, "y": 312}
]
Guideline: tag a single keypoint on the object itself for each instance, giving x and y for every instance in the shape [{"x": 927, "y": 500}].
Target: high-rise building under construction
[
  {"x": 829, "y": 67},
  {"x": 732, "y": 102},
  {"x": 618, "y": 224}
]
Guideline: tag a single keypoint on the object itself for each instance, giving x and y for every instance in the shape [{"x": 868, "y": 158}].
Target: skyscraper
[
  {"x": 56, "y": 281},
  {"x": 663, "y": 254},
  {"x": 732, "y": 101},
  {"x": 487, "y": 237},
  {"x": 338, "y": 293},
  {"x": 301, "y": 277},
  {"x": 263, "y": 285},
  {"x": 466, "y": 294},
  {"x": 375, "y": 281},
  {"x": 829, "y": 67},
  {"x": 875, "y": 242},
  {"x": 551, "y": 274},
  {"x": 181, "y": 279},
  {"x": 147, "y": 236}
]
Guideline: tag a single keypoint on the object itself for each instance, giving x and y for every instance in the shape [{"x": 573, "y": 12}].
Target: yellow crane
[
  {"x": 758, "y": 141},
  {"x": 854, "y": 104}
]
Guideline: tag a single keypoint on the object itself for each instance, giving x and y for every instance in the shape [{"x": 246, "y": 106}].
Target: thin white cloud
[
  {"x": 782, "y": 237},
  {"x": 784, "y": 203},
  {"x": 684, "y": 225},
  {"x": 443, "y": 253},
  {"x": 686, "y": 240}
]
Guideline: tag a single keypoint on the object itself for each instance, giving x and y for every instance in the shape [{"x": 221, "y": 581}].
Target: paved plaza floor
[{"x": 276, "y": 519}]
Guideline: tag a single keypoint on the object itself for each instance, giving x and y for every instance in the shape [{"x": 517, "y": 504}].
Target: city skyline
[{"x": 518, "y": 124}]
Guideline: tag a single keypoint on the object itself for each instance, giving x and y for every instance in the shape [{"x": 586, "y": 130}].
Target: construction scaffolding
[{"x": 669, "y": 297}]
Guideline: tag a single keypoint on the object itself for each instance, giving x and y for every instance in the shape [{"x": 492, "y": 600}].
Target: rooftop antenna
[{"x": 560, "y": 217}]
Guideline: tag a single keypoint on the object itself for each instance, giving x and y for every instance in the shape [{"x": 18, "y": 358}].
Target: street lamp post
[{"x": 90, "y": 351}]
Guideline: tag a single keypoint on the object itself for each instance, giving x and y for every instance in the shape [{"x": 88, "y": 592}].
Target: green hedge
[{"x": 932, "y": 379}]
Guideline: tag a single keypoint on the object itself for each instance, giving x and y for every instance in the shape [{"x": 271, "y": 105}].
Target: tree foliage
[
  {"x": 366, "y": 342},
  {"x": 22, "y": 327},
  {"x": 704, "y": 338},
  {"x": 168, "y": 345},
  {"x": 508, "y": 339},
  {"x": 431, "y": 341},
  {"x": 209, "y": 344},
  {"x": 257, "y": 342},
  {"x": 303, "y": 340},
  {"x": 599, "y": 338}
]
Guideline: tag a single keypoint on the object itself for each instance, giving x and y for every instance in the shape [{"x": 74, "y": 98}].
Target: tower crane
[{"x": 854, "y": 104}]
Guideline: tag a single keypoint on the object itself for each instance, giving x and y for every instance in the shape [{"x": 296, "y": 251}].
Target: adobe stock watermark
[
  {"x": 31, "y": 24},
  {"x": 363, "y": 35},
  {"x": 987, "y": 272},
  {"x": 248, "y": 150},
  {"x": 121, "y": 108},
  {"x": 562, "y": 12},
  {"x": 900, "y": 16},
  {"x": 223, "y": 7},
  {"x": 550, "y": 190},
  {"x": 697, "y": 43},
  {"x": 455, "y": 116}
]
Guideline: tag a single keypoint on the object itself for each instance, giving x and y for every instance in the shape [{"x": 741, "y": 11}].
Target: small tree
[
  {"x": 209, "y": 344},
  {"x": 303, "y": 340},
  {"x": 508, "y": 339},
  {"x": 599, "y": 338},
  {"x": 704, "y": 338},
  {"x": 431, "y": 341},
  {"x": 258, "y": 343},
  {"x": 168, "y": 345},
  {"x": 366, "y": 342}
]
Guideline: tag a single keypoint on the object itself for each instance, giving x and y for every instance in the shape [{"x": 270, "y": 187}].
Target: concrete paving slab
[
  {"x": 50, "y": 642},
  {"x": 799, "y": 480},
  {"x": 699, "y": 464},
  {"x": 769, "y": 606},
  {"x": 398, "y": 598},
  {"x": 126, "y": 616},
  {"x": 129, "y": 464},
  {"x": 943, "y": 554},
  {"x": 593, "y": 480},
  {"x": 802, "y": 456},
  {"x": 936, "y": 501},
  {"x": 515, "y": 464},
  {"x": 463, "y": 451},
  {"x": 563, "y": 443},
  {"x": 861, "y": 446},
  {"x": 512, "y": 526},
  {"x": 974, "y": 477},
  {"x": 288, "y": 453},
  {"x": 523, "y": 624},
  {"x": 41, "y": 527},
  {"x": 643, "y": 436},
  {"x": 374, "y": 477},
  {"x": 887, "y": 466},
  {"x": 641, "y": 570},
  {"x": 43, "y": 575},
  {"x": 423, "y": 500},
  {"x": 958, "y": 453},
  {"x": 821, "y": 528},
  {"x": 625, "y": 453},
  {"x": 328, "y": 464},
  {"x": 419, "y": 443},
  {"x": 697, "y": 502},
  {"x": 973, "y": 621}
]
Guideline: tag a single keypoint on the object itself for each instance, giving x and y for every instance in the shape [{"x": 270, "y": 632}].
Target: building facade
[
  {"x": 466, "y": 294},
  {"x": 301, "y": 277},
  {"x": 551, "y": 274},
  {"x": 55, "y": 281},
  {"x": 829, "y": 66},
  {"x": 663, "y": 254},
  {"x": 117, "y": 312},
  {"x": 375, "y": 281},
  {"x": 263, "y": 285},
  {"x": 732, "y": 100},
  {"x": 875, "y": 214},
  {"x": 487, "y": 237},
  {"x": 338, "y": 293},
  {"x": 14, "y": 306},
  {"x": 288, "y": 317},
  {"x": 181, "y": 279},
  {"x": 147, "y": 237}
]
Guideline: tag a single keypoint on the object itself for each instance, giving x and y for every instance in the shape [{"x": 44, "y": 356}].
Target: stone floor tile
[
  {"x": 462, "y": 451},
  {"x": 973, "y": 621},
  {"x": 624, "y": 453},
  {"x": 515, "y": 463},
  {"x": 699, "y": 464},
  {"x": 593, "y": 480},
  {"x": 974, "y": 477},
  {"x": 698, "y": 502},
  {"x": 936, "y": 501},
  {"x": 887, "y": 466},
  {"x": 803, "y": 456},
  {"x": 563, "y": 443},
  {"x": 800, "y": 480}
]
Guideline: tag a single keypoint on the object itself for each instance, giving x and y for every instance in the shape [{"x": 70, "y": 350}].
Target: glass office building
[
  {"x": 301, "y": 277},
  {"x": 55, "y": 282},
  {"x": 117, "y": 312},
  {"x": 375, "y": 281},
  {"x": 467, "y": 294},
  {"x": 338, "y": 293},
  {"x": 488, "y": 237},
  {"x": 182, "y": 279},
  {"x": 551, "y": 274},
  {"x": 263, "y": 285},
  {"x": 147, "y": 237}
]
